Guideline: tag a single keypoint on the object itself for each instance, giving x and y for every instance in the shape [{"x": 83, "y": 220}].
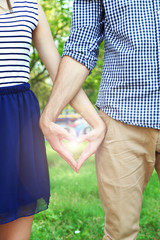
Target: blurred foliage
[{"x": 59, "y": 14}]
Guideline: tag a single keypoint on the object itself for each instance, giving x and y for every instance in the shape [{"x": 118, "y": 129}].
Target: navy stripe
[
  {"x": 26, "y": 7},
  {"x": 14, "y": 48},
  {"x": 26, "y": 2},
  {"x": 14, "y": 59},
  {"x": 25, "y": 54},
  {"x": 18, "y": 25},
  {"x": 15, "y": 42},
  {"x": 14, "y": 71},
  {"x": 17, "y": 65}
]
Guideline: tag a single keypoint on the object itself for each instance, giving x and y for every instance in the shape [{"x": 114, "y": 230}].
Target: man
[{"x": 129, "y": 99}]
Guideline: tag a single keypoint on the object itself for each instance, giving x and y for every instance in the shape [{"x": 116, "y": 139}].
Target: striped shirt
[
  {"x": 130, "y": 85},
  {"x": 16, "y": 29}
]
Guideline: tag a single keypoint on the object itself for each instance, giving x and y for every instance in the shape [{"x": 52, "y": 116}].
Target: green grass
[{"x": 75, "y": 205}]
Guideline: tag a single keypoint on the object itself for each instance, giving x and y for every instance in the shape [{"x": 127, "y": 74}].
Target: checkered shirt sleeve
[{"x": 87, "y": 32}]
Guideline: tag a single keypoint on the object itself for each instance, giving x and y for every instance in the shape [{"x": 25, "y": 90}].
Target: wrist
[
  {"x": 98, "y": 123},
  {"x": 44, "y": 123},
  {"x": 49, "y": 114},
  {"x": 101, "y": 126}
]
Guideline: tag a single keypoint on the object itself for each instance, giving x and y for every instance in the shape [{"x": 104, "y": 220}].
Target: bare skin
[
  {"x": 67, "y": 89},
  {"x": 19, "y": 229}
]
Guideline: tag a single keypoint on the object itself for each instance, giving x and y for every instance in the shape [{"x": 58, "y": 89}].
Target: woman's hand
[{"x": 55, "y": 135}]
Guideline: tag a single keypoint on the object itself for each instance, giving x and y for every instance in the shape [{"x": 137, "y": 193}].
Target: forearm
[
  {"x": 70, "y": 77},
  {"x": 82, "y": 105}
]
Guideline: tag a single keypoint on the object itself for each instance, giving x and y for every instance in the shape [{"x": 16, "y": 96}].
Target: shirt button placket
[{"x": 158, "y": 41}]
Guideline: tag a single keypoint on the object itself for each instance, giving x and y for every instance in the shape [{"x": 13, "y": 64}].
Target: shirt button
[{"x": 158, "y": 12}]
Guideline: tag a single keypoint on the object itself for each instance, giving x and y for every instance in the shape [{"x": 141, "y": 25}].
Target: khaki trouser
[{"x": 124, "y": 164}]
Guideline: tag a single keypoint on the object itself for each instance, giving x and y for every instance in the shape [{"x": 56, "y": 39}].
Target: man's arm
[
  {"x": 70, "y": 77},
  {"x": 82, "y": 104}
]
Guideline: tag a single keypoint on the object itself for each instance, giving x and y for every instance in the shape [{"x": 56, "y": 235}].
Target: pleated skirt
[{"x": 24, "y": 177}]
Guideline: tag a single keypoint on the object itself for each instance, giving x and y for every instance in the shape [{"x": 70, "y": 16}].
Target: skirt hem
[{"x": 13, "y": 218}]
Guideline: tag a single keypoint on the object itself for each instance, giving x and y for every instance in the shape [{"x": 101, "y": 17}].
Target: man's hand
[
  {"x": 55, "y": 135},
  {"x": 94, "y": 138}
]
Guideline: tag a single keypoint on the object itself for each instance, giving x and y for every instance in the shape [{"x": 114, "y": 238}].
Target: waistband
[{"x": 15, "y": 89}]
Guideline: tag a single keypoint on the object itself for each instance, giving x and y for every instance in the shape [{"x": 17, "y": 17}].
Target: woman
[{"x": 24, "y": 179}]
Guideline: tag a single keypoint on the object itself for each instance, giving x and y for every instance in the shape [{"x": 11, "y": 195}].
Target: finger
[
  {"x": 85, "y": 155},
  {"x": 68, "y": 156},
  {"x": 70, "y": 161},
  {"x": 65, "y": 154}
]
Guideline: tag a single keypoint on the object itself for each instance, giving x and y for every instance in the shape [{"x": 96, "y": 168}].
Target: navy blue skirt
[{"x": 24, "y": 178}]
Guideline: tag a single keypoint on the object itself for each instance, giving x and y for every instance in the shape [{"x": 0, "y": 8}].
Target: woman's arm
[{"x": 43, "y": 41}]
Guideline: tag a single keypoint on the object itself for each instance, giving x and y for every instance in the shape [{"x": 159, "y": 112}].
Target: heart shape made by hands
[{"x": 76, "y": 149}]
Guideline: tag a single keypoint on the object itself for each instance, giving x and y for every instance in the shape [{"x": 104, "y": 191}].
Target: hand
[
  {"x": 55, "y": 135},
  {"x": 94, "y": 138}
]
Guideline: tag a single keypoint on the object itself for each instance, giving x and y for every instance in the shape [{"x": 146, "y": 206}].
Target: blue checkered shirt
[{"x": 130, "y": 84}]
